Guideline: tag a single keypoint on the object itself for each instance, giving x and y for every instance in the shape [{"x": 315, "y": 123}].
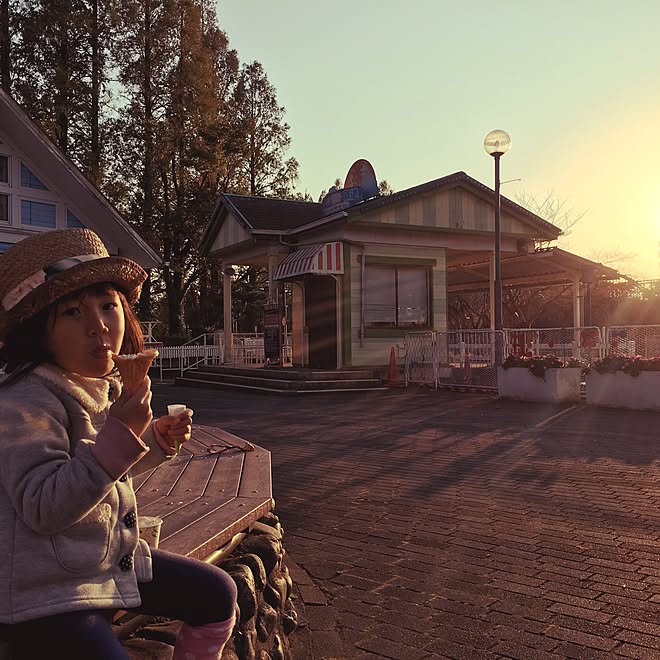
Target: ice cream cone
[{"x": 133, "y": 368}]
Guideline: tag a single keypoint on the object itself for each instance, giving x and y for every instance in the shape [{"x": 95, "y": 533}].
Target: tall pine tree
[
  {"x": 176, "y": 66},
  {"x": 59, "y": 65},
  {"x": 265, "y": 137}
]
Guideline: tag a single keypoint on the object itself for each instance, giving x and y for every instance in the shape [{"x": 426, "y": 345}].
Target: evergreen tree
[
  {"x": 182, "y": 125},
  {"x": 59, "y": 65},
  {"x": 176, "y": 65},
  {"x": 5, "y": 46},
  {"x": 260, "y": 123}
]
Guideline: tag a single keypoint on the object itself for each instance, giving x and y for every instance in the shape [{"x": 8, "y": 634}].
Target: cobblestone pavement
[{"x": 423, "y": 525}]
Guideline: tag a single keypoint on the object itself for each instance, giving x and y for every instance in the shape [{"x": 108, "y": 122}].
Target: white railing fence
[
  {"x": 248, "y": 350},
  {"x": 209, "y": 349},
  {"x": 463, "y": 358},
  {"x": 203, "y": 349},
  {"x": 466, "y": 358}
]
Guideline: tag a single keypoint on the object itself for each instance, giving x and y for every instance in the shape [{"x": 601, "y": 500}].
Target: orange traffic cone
[{"x": 392, "y": 372}]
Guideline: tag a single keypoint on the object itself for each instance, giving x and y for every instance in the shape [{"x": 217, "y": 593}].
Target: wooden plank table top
[{"x": 215, "y": 488}]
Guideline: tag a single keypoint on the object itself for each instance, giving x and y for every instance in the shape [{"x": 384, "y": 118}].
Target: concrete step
[
  {"x": 256, "y": 382},
  {"x": 196, "y": 382},
  {"x": 286, "y": 373}
]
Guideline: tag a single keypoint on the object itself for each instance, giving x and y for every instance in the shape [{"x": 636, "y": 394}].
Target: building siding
[
  {"x": 34, "y": 204},
  {"x": 456, "y": 209},
  {"x": 231, "y": 232}
]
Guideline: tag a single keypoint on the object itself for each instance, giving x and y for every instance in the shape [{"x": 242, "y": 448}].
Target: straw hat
[{"x": 40, "y": 269}]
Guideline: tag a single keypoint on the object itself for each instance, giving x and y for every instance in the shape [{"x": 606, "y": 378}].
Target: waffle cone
[{"x": 133, "y": 368}]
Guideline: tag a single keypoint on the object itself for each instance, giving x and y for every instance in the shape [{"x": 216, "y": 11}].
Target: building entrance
[{"x": 321, "y": 321}]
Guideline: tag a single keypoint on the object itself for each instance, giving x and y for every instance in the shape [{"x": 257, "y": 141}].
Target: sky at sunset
[{"x": 414, "y": 86}]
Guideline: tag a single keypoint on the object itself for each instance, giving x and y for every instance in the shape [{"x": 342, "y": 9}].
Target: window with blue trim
[
  {"x": 4, "y": 208},
  {"x": 30, "y": 180},
  {"x": 5, "y": 246},
  {"x": 72, "y": 220},
  {"x": 38, "y": 214}
]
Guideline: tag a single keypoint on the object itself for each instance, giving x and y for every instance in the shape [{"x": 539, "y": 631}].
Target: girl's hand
[
  {"x": 135, "y": 410},
  {"x": 176, "y": 429}
]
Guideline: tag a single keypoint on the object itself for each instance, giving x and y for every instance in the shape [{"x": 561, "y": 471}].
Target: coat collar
[{"x": 94, "y": 394}]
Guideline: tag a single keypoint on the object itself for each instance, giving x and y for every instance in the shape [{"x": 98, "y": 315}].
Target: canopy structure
[
  {"x": 320, "y": 259},
  {"x": 547, "y": 266}
]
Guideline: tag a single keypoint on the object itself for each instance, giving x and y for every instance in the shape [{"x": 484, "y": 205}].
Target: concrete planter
[
  {"x": 556, "y": 386},
  {"x": 620, "y": 390}
]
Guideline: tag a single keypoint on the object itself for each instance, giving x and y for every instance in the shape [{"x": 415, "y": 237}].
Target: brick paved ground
[{"x": 423, "y": 525}]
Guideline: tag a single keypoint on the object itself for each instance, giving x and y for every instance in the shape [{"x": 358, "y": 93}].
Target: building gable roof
[
  {"x": 27, "y": 139},
  {"x": 268, "y": 215},
  {"x": 462, "y": 179},
  {"x": 258, "y": 215}
]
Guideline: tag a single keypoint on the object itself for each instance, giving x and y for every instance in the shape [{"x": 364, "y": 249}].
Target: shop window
[
  {"x": 396, "y": 296},
  {"x": 30, "y": 180},
  {"x": 4, "y": 208},
  {"x": 5, "y": 246},
  {"x": 38, "y": 214},
  {"x": 4, "y": 169}
]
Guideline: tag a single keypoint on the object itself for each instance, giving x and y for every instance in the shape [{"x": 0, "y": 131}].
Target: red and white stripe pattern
[{"x": 323, "y": 259}]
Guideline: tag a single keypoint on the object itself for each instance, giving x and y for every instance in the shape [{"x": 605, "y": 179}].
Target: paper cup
[
  {"x": 175, "y": 409},
  {"x": 149, "y": 529}
]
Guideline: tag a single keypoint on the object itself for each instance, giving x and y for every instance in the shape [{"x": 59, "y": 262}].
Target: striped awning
[{"x": 322, "y": 259}]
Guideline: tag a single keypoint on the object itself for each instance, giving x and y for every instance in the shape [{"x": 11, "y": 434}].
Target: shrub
[
  {"x": 538, "y": 364},
  {"x": 632, "y": 366}
]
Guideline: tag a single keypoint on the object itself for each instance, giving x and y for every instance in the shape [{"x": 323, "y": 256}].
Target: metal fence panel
[
  {"x": 457, "y": 358},
  {"x": 584, "y": 343},
  {"x": 468, "y": 358},
  {"x": 420, "y": 361},
  {"x": 632, "y": 340}
]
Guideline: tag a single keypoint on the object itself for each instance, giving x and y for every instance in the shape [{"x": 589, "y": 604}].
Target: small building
[
  {"x": 41, "y": 189},
  {"x": 366, "y": 269}
]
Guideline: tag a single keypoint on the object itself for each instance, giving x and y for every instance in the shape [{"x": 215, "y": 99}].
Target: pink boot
[{"x": 203, "y": 642}]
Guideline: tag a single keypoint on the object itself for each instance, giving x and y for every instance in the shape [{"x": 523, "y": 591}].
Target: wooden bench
[{"x": 218, "y": 486}]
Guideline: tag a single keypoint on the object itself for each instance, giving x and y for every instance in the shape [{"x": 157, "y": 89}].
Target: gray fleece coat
[{"x": 68, "y": 517}]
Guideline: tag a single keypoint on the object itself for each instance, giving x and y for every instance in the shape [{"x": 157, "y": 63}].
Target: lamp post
[{"x": 496, "y": 144}]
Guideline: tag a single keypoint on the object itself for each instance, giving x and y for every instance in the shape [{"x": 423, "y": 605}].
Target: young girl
[{"x": 69, "y": 440}]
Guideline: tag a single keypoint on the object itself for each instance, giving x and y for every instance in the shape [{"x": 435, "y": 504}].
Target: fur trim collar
[{"x": 94, "y": 394}]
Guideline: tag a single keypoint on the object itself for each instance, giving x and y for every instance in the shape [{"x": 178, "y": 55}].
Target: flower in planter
[
  {"x": 632, "y": 366},
  {"x": 537, "y": 364}
]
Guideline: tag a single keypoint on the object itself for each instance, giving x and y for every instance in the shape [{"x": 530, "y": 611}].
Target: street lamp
[{"x": 496, "y": 144}]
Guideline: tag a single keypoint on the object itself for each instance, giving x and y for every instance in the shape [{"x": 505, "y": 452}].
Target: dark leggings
[{"x": 185, "y": 589}]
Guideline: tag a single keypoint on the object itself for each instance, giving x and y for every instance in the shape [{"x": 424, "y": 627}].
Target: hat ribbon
[{"x": 37, "y": 279}]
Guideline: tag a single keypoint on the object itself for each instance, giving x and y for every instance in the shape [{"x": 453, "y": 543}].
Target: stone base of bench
[{"x": 267, "y": 613}]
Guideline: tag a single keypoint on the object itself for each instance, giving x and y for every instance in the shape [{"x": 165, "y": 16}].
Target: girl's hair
[{"x": 26, "y": 345}]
